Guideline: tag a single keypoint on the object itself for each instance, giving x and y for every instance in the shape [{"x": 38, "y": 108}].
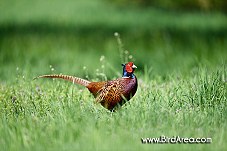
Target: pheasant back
[{"x": 112, "y": 93}]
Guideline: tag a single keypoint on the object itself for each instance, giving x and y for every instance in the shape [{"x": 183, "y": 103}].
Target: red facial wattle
[{"x": 128, "y": 68}]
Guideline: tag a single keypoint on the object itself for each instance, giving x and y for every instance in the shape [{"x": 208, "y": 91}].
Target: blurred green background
[{"x": 167, "y": 37}]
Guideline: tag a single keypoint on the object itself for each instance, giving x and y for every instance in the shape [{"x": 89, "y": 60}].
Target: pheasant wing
[{"x": 111, "y": 93}]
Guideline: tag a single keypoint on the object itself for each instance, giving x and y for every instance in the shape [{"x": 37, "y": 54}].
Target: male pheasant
[{"x": 108, "y": 93}]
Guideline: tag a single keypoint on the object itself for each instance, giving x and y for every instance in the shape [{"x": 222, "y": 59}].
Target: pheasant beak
[{"x": 134, "y": 67}]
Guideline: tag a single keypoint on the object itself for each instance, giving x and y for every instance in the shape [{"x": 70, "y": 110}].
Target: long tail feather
[{"x": 68, "y": 78}]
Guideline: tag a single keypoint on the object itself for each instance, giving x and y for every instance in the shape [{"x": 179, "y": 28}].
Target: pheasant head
[{"x": 128, "y": 70}]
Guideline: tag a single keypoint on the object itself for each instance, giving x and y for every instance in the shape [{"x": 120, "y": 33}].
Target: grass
[
  {"x": 35, "y": 118},
  {"x": 182, "y": 73}
]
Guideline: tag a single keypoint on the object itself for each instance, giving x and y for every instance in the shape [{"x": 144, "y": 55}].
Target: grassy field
[{"x": 182, "y": 74}]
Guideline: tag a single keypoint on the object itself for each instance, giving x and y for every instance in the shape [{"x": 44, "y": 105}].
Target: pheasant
[{"x": 108, "y": 93}]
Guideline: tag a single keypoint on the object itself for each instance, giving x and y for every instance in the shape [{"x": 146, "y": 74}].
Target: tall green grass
[{"x": 55, "y": 115}]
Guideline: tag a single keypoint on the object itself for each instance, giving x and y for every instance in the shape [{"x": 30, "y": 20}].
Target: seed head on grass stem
[
  {"x": 101, "y": 72},
  {"x": 125, "y": 55}
]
